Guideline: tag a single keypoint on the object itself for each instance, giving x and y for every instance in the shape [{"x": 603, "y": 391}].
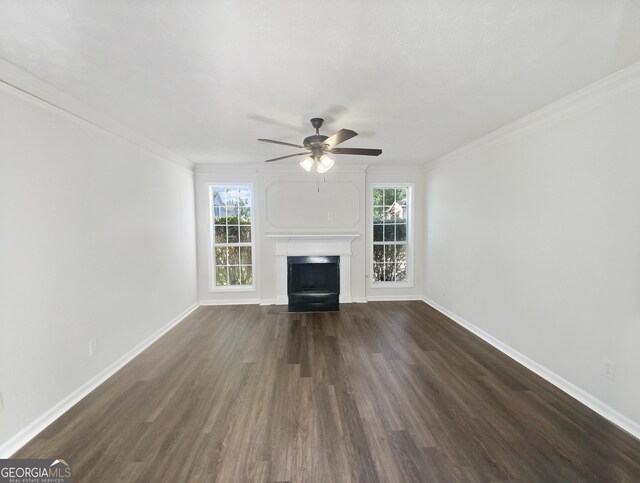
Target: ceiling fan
[{"x": 318, "y": 147}]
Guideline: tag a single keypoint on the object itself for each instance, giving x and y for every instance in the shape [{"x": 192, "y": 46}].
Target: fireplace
[
  {"x": 312, "y": 245},
  {"x": 313, "y": 283}
]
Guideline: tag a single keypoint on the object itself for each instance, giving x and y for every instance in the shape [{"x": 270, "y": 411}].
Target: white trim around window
[
  {"x": 410, "y": 245},
  {"x": 212, "y": 245}
]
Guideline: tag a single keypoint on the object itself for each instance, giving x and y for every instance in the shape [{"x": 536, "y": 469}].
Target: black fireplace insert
[{"x": 313, "y": 283}]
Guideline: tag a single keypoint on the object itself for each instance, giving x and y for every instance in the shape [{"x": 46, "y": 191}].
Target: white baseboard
[
  {"x": 604, "y": 410},
  {"x": 231, "y": 302},
  {"x": 28, "y": 433},
  {"x": 267, "y": 301},
  {"x": 392, "y": 298},
  {"x": 359, "y": 300}
]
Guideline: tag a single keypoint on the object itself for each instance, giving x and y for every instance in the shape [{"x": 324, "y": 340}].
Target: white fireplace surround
[{"x": 310, "y": 244}]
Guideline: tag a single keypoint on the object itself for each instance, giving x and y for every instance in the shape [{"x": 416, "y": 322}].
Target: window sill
[
  {"x": 392, "y": 285},
  {"x": 233, "y": 288}
]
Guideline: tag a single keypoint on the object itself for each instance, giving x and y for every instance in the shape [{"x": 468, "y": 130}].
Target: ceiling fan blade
[
  {"x": 341, "y": 136},
  {"x": 285, "y": 157},
  {"x": 280, "y": 142},
  {"x": 360, "y": 151}
]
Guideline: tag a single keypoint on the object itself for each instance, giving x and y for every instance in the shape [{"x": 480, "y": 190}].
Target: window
[
  {"x": 232, "y": 236},
  {"x": 391, "y": 235}
]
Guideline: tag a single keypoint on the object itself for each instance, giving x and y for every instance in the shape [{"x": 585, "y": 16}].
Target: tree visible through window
[
  {"x": 231, "y": 230},
  {"x": 390, "y": 232}
]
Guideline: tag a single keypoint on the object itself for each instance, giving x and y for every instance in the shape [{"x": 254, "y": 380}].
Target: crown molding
[
  {"x": 239, "y": 169},
  {"x": 401, "y": 169},
  {"x": 27, "y": 84},
  {"x": 253, "y": 169},
  {"x": 261, "y": 167},
  {"x": 339, "y": 168},
  {"x": 600, "y": 92}
]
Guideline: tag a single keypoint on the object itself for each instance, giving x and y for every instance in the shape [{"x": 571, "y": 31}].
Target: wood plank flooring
[{"x": 378, "y": 392}]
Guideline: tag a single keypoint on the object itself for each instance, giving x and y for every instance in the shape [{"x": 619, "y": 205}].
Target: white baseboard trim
[
  {"x": 267, "y": 301},
  {"x": 230, "y": 302},
  {"x": 38, "y": 425},
  {"x": 359, "y": 300},
  {"x": 392, "y": 298},
  {"x": 603, "y": 409}
]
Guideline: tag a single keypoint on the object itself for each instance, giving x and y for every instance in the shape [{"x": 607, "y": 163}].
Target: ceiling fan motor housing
[{"x": 315, "y": 140}]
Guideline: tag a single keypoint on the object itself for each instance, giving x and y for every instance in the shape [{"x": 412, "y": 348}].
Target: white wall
[
  {"x": 286, "y": 200},
  {"x": 533, "y": 236},
  {"x": 97, "y": 240}
]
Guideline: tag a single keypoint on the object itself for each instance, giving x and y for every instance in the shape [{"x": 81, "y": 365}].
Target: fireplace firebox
[{"x": 313, "y": 283}]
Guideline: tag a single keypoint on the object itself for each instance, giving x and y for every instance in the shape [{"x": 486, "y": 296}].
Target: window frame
[
  {"x": 212, "y": 245},
  {"x": 408, "y": 283}
]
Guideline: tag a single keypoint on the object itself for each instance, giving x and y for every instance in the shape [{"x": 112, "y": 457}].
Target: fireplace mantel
[
  {"x": 313, "y": 236},
  {"x": 308, "y": 244}
]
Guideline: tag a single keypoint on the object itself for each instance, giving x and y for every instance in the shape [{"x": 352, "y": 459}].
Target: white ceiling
[{"x": 418, "y": 78}]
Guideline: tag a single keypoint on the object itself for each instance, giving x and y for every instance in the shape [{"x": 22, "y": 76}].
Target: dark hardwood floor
[{"x": 379, "y": 392}]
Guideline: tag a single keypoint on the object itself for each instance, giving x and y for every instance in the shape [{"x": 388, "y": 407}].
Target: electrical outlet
[
  {"x": 329, "y": 216},
  {"x": 609, "y": 369},
  {"x": 93, "y": 347},
  {"x": 1, "y": 403}
]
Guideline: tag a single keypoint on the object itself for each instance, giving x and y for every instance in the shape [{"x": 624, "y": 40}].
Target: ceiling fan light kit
[
  {"x": 319, "y": 146},
  {"x": 324, "y": 164},
  {"x": 307, "y": 163}
]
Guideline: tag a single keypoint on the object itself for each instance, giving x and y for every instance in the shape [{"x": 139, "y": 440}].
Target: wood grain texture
[{"x": 379, "y": 392}]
